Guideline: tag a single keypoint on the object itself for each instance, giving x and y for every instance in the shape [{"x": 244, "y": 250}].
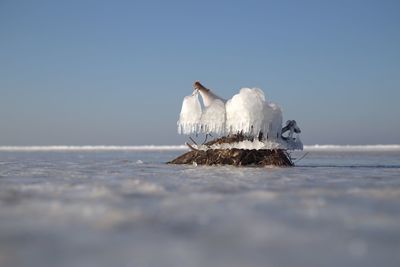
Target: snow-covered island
[{"x": 247, "y": 126}]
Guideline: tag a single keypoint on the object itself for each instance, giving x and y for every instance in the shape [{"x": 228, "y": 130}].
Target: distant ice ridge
[
  {"x": 361, "y": 148},
  {"x": 243, "y": 145},
  {"x": 93, "y": 148}
]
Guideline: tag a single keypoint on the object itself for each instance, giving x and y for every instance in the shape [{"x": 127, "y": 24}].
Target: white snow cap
[{"x": 247, "y": 112}]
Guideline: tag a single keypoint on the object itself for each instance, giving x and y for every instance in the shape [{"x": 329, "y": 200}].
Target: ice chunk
[
  {"x": 213, "y": 118},
  {"x": 247, "y": 112},
  {"x": 250, "y": 113},
  {"x": 294, "y": 143},
  {"x": 189, "y": 119},
  {"x": 273, "y": 118}
]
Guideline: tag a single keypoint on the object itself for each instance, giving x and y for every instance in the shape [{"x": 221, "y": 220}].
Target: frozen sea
[{"x": 123, "y": 206}]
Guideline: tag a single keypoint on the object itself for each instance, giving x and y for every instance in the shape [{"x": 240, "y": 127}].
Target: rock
[{"x": 236, "y": 157}]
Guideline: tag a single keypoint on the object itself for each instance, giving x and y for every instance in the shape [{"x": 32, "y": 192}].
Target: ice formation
[
  {"x": 213, "y": 117},
  {"x": 190, "y": 117},
  {"x": 247, "y": 112},
  {"x": 197, "y": 119}
]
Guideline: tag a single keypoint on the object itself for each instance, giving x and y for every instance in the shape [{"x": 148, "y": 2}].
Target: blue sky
[{"x": 115, "y": 72}]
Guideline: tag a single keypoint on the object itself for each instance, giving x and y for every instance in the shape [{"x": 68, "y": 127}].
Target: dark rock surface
[{"x": 236, "y": 157}]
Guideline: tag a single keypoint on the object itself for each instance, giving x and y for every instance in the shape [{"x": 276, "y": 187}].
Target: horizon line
[{"x": 316, "y": 147}]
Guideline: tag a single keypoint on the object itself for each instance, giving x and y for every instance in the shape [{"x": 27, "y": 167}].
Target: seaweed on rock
[{"x": 235, "y": 156}]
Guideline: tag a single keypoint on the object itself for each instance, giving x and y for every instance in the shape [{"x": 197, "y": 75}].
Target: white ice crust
[{"x": 294, "y": 144}]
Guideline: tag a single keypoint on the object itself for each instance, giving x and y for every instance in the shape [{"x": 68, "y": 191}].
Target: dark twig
[
  {"x": 302, "y": 157},
  {"x": 191, "y": 147},
  {"x": 192, "y": 140},
  {"x": 205, "y": 140}
]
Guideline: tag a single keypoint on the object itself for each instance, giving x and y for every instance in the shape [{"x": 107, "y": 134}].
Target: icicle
[
  {"x": 189, "y": 119},
  {"x": 247, "y": 112},
  {"x": 213, "y": 118}
]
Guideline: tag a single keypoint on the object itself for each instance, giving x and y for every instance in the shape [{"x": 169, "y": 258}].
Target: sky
[{"x": 115, "y": 72}]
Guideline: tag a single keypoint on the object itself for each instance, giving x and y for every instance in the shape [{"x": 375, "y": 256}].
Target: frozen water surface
[{"x": 128, "y": 208}]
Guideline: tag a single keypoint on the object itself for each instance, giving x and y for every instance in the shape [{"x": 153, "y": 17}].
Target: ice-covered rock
[{"x": 248, "y": 112}]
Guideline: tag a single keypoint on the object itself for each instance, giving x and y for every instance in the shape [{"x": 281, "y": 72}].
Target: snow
[
  {"x": 242, "y": 145},
  {"x": 291, "y": 144},
  {"x": 103, "y": 209}
]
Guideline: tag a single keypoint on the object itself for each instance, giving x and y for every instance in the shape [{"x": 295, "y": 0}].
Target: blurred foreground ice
[{"x": 127, "y": 208}]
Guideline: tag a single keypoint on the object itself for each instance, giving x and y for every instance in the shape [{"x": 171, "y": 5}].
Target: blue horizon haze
[{"x": 115, "y": 72}]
